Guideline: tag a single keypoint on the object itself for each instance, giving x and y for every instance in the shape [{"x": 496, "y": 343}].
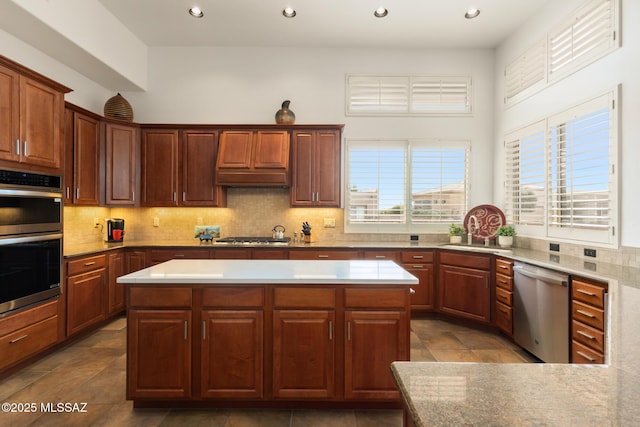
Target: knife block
[{"x": 308, "y": 238}]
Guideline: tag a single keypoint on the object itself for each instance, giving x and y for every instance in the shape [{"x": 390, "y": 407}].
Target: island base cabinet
[
  {"x": 231, "y": 354},
  {"x": 374, "y": 339},
  {"x": 159, "y": 354},
  {"x": 303, "y": 354}
]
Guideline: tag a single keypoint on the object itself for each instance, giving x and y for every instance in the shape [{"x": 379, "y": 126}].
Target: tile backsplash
[{"x": 255, "y": 211}]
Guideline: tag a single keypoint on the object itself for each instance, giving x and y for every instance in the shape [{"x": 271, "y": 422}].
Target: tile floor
[{"x": 93, "y": 370}]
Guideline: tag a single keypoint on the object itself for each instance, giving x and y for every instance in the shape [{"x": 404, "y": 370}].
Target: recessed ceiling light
[
  {"x": 196, "y": 12},
  {"x": 380, "y": 12},
  {"x": 472, "y": 13},
  {"x": 289, "y": 12}
]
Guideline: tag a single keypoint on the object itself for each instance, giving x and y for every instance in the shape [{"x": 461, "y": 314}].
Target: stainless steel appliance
[
  {"x": 115, "y": 230},
  {"x": 541, "y": 312},
  {"x": 30, "y": 238},
  {"x": 253, "y": 241}
]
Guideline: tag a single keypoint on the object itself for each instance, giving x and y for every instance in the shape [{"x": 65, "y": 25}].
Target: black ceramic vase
[{"x": 284, "y": 116}]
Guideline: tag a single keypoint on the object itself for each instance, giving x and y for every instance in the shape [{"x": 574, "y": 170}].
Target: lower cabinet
[
  {"x": 420, "y": 264},
  {"x": 115, "y": 266},
  {"x": 86, "y": 292}
]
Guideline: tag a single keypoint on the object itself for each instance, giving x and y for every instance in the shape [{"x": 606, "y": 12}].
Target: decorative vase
[
  {"x": 455, "y": 239},
  {"x": 284, "y": 116},
  {"x": 505, "y": 241},
  {"x": 119, "y": 108}
]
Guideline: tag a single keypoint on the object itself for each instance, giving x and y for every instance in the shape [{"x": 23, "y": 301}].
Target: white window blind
[
  {"x": 405, "y": 185},
  {"x": 584, "y": 37},
  {"x": 525, "y": 189},
  {"x": 370, "y": 95},
  {"x": 526, "y": 71},
  {"x": 581, "y": 171}
]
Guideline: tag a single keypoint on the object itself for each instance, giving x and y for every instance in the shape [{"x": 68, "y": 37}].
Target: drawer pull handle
[
  {"x": 502, "y": 281},
  {"x": 185, "y": 330},
  {"x": 18, "y": 339},
  {"x": 503, "y": 297},
  {"x": 380, "y": 257},
  {"x": 586, "y": 335},
  {"x": 503, "y": 310},
  {"x": 179, "y": 255},
  {"x": 89, "y": 264},
  {"x": 418, "y": 257},
  {"x": 330, "y": 330},
  {"x": 504, "y": 267},
  {"x": 323, "y": 256},
  {"x": 582, "y": 291},
  {"x": 204, "y": 330},
  {"x": 585, "y": 356},
  {"x": 584, "y": 313},
  {"x": 348, "y": 331}
]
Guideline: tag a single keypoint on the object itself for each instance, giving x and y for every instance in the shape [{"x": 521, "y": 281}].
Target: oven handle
[
  {"x": 27, "y": 239},
  {"x": 30, "y": 193}
]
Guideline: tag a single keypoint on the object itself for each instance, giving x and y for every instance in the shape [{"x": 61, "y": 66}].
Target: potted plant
[
  {"x": 455, "y": 233},
  {"x": 505, "y": 236}
]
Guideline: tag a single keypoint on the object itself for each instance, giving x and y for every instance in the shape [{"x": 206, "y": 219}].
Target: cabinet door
[
  {"x": 232, "y": 357},
  {"x": 135, "y": 260},
  {"x": 115, "y": 262},
  {"x": 423, "y": 298},
  {"x": 41, "y": 121},
  {"x": 86, "y": 160},
  {"x": 465, "y": 292},
  {"x": 302, "y": 185},
  {"x": 327, "y": 168},
  {"x": 159, "y": 354},
  {"x": 121, "y": 149},
  {"x": 303, "y": 354},
  {"x": 85, "y": 300},
  {"x": 374, "y": 339},
  {"x": 9, "y": 115},
  {"x": 199, "y": 150},
  {"x": 159, "y": 167},
  {"x": 272, "y": 150},
  {"x": 235, "y": 149}
]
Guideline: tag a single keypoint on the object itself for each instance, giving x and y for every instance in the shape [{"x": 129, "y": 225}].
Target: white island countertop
[{"x": 273, "y": 272}]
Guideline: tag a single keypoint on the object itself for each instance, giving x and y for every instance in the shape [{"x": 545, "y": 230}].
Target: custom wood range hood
[{"x": 253, "y": 158}]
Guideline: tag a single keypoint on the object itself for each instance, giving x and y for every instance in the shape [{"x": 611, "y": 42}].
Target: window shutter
[
  {"x": 377, "y": 94},
  {"x": 440, "y": 95},
  {"x": 525, "y": 176},
  {"x": 588, "y": 34},
  {"x": 526, "y": 71}
]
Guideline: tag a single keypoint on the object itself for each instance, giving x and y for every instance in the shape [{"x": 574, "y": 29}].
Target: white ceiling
[{"x": 324, "y": 23}]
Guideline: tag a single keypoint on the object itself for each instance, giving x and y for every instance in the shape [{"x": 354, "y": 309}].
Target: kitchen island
[{"x": 266, "y": 333}]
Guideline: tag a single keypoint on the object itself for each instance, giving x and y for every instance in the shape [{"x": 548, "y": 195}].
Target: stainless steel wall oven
[{"x": 30, "y": 238}]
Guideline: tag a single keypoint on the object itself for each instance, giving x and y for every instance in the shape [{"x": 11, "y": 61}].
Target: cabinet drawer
[
  {"x": 504, "y": 266},
  {"x": 417, "y": 256},
  {"x": 467, "y": 260},
  {"x": 24, "y": 318},
  {"x": 592, "y": 316},
  {"x": 160, "y": 297},
  {"x": 504, "y": 317},
  {"x": 376, "y": 298},
  {"x": 381, "y": 255},
  {"x": 83, "y": 265},
  {"x": 160, "y": 255},
  {"x": 583, "y": 354},
  {"x": 504, "y": 282},
  {"x": 335, "y": 255},
  {"x": 304, "y": 298},
  {"x": 588, "y": 336},
  {"x": 27, "y": 341},
  {"x": 587, "y": 293},
  {"x": 504, "y": 296},
  {"x": 233, "y": 297}
]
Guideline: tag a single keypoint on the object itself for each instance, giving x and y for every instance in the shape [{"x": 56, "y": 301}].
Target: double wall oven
[{"x": 30, "y": 239}]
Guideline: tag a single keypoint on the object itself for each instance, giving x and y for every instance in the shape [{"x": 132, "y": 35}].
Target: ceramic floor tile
[
  {"x": 454, "y": 355},
  {"x": 480, "y": 340},
  {"x": 379, "y": 418},
  {"x": 499, "y": 356},
  {"x": 421, "y": 355},
  {"x": 444, "y": 340},
  {"x": 323, "y": 418},
  {"x": 123, "y": 415},
  {"x": 18, "y": 381},
  {"x": 195, "y": 418},
  {"x": 259, "y": 418}
]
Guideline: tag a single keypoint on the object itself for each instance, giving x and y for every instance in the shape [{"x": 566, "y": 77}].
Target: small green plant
[
  {"x": 456, "y": 230},
  {"x": 506, "y": 230}
]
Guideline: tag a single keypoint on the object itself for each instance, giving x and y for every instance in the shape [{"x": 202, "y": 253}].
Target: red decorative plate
[{"x": 489, "y": 217}]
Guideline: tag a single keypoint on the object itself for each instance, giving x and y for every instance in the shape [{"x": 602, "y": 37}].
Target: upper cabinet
[
  {"x": 316, "y": 168},
  {"x": 178, "y": 168},
  {"x": 31, "y": 119},
  {"x": 121, "y": 166},
  {"x": 82, "y": 158},
  {"x": 249, "y": 157}
]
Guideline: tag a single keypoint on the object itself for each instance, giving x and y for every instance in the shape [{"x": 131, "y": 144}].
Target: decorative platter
[{"x": 490, "y": 218}]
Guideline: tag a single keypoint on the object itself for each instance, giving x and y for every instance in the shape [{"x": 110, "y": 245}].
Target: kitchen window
[
  {"x": 561, "y": 174},
  {"x": 406, "y": 185}
]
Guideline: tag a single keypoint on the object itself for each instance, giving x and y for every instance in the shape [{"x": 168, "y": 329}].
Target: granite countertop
[{"x": 272, "y": 271}]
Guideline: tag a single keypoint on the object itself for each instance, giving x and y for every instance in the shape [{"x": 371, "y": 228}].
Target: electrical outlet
[
  {"x": 199, "y": 221},
  {"x": 329, "y": 223},
  {"x": 414, "y": 237},
  {"x": 555, "y": 247},
  {"x": 156, "y": 221},
  {"x": 590, "y": 252},
  {"x": 96, "y": 222}
]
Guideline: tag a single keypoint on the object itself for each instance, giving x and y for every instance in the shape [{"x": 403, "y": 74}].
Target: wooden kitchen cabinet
[
  {"x": 420, "y": 264},
  {"x": 333, "y": 254},
  {"x": 159, "y": 171},
  {"x": 115, "y": 294},
  {"x": 588, "y": 336},
  {"x": 121, "y": 153},
  {"x": 316, "y": 168},
  {"x": 464, "y": 285},
  {"x": 504, "y": 295},
  {"x": 157, "y": 256},
  {"x": 135, "y": 260},
  {"x": 31, "y": 119},
  {"x": 82, "y": 157},
  {"x": 256, "y": 157},
  {"x": 86, "y": 292},
  {"x": 198, "y": 183}
]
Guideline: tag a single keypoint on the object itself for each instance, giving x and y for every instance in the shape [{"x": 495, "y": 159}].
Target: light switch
[
  {"x": 156, "y": 221},
  {"x": 329, "y": 223}
]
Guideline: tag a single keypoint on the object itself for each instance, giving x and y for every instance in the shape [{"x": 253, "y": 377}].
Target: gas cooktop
[{"x": 256, "y": 241}]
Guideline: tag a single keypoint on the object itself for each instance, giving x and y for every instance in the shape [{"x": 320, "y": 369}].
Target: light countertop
[{"x": 272, "y": 272}]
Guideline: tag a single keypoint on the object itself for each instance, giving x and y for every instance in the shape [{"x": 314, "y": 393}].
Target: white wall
[
  {"x": 248, "y": 85},
  {"x": 620, "y": 67}
]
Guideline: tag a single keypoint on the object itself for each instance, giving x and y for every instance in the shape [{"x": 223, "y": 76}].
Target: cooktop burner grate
[{"x": 253, "y": 241}]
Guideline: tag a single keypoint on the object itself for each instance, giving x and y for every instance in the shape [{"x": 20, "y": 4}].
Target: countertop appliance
[
  {"x": 30, "y": 238},
  {"x": 541, "y": 312},
  {"x": 253, "y": 241},
  {"x": 115, "y": 230}
]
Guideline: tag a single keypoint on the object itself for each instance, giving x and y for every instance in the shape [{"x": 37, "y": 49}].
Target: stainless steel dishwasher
[{"x": 541, "y": 312}]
